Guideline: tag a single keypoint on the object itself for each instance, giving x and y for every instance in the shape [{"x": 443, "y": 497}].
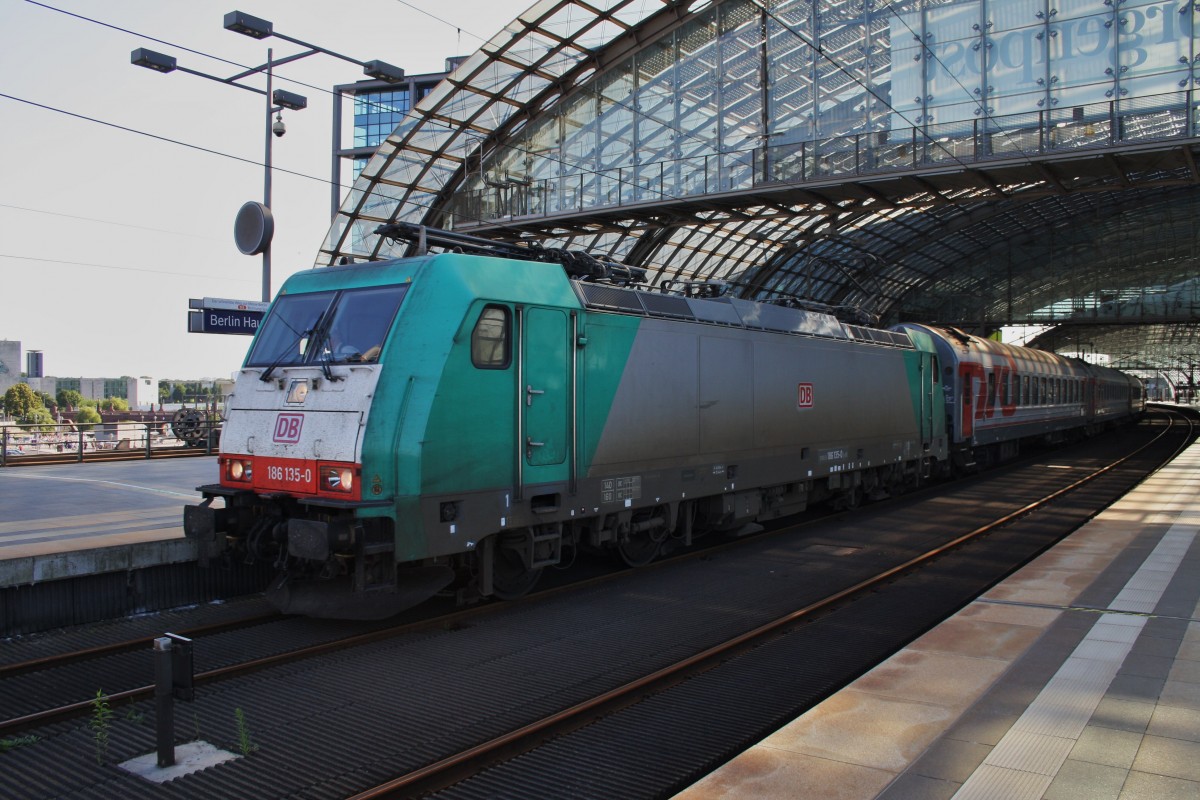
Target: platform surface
[
  {"x": 61, "y": 520},
  {"x": 1078, "y": 678}
]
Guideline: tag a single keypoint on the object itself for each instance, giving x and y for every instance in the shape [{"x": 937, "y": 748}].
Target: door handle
[
  {"x": 530, "y": 392},
  {"x": 530, "y": 444}
]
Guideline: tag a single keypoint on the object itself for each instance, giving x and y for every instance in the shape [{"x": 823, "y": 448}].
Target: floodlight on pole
[
  {"x": 289, "y": 100},
  {"x": 253, "y": 227},
  {"x": 252, "y": 218},
  {"x": 149, "y": 59},
  {"x": 383, "y": 71},
  {"x": 247, "y": 25}
]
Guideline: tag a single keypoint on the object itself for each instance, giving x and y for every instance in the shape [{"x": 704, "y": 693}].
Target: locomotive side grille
[
  {"x": 732, "y": 312},
  {"x": 715, "y": 312},
  {"x": 878, "y": 336},
  {"x": 665, "y": 305},
  {"x": 608, "y": 297}
]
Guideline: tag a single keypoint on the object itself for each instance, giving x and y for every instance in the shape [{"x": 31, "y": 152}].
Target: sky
[{"x": 119, "y": 185}]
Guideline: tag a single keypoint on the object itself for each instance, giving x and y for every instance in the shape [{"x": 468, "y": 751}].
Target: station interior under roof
[{"x": 1022, "y": 166}]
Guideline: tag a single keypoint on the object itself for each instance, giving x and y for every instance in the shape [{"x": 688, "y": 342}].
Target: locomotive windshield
[{"x": 336, "y": 327}]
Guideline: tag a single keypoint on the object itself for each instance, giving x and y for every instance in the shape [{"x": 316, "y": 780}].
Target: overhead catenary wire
[{"x": 121, "y": 269}]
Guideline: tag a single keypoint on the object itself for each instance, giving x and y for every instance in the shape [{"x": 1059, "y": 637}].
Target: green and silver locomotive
[{"x": 457, "y": 422}]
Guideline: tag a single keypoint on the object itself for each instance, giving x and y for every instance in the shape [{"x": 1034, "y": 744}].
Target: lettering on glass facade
[{"x": 1008, "y": 56}]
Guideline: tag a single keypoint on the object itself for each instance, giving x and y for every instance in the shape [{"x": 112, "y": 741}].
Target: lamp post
[{"x": 255, "y": 225}]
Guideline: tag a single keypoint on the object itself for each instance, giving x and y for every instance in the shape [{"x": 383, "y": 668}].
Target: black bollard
[{"x": 164, "y": 702}]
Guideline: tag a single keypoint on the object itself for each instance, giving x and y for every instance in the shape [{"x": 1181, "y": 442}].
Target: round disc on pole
[{"x": 253, "y": 228}]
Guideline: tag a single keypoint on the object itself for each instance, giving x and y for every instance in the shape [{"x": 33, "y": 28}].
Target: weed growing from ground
[
  {"x": 15, "y": 742},
  {"x": 101, "y": 719},
  {"x": 243, "y": 731}
]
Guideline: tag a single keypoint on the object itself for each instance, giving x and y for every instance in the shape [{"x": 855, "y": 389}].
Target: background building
[
  {"x": 34, "y": 366},
  {"x": 10, "y": 364},
  {"x": 378, "y": 108},
  {"x": 140, "y": 392}
]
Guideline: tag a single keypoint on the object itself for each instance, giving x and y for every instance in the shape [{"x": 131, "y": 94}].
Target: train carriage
[{"x": 999, "y": 394}]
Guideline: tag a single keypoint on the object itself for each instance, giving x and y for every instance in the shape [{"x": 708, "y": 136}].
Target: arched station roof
[{"x": 969, "y": 162}]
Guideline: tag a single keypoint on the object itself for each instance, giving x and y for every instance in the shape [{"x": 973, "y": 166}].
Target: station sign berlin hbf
[{"x": 218, "y": 315}]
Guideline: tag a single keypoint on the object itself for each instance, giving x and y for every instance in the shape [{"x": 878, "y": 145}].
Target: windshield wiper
[
  {"x": 320, "y": 332},
  {"x": 287, "y": 351}
]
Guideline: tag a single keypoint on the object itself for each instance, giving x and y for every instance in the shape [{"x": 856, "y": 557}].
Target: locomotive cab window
[
  {"x": 490, "y": 340},
  {"x": 342, "y": 326}
]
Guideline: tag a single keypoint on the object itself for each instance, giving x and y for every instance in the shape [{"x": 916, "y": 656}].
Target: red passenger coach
[{"x": 998, "y": 394}]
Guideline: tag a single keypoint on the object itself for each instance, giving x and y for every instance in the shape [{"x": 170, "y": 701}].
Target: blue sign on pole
[{"x": 214, "y": 315}]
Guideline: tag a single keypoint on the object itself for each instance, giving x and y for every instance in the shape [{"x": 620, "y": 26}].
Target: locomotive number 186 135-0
[
  {"x": 287, "y": 474},
  {"x": 277, "y": 474}
]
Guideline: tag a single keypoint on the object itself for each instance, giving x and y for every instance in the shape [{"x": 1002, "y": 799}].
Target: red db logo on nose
[{"x": 287, "y": 428}]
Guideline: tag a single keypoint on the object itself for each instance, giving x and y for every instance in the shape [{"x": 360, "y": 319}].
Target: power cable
[
  {"x": 188, "y": 145},
  {"x": 159, "y": 138},
  {"x": 122, "y": 269},
  {"x": 105, "y": 221},
  {"x": 458, "y": 28}
]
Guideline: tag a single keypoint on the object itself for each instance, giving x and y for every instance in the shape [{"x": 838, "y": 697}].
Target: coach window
[{"x": 489, "y": 339}]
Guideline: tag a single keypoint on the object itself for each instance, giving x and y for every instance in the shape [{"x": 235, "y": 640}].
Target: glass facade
[
  {"x": 739, "y": 96},
  {"x": 376, "y": 114}
]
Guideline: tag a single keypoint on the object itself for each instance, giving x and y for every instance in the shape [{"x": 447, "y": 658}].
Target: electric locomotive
[{"x": 458, "y": 422}]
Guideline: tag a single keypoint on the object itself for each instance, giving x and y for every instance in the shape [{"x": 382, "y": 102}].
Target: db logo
[
  {"x": 287, "y": 428},
  {"x": 804, "y": 395}
]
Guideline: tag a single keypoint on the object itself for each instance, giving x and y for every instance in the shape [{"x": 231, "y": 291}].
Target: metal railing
[{"x": 29, "y": 444}]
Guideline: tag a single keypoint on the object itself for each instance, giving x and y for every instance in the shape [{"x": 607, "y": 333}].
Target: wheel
[
  {"x": 849, "y": 499},
  {"x": 639, "y": 549},
  {"x": 188, "y": 426},
  {"x": 511, "y": 579}
]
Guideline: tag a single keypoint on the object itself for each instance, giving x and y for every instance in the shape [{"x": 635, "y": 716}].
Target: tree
[
  {"x": 47, "y": 400},
  {"x": 69, "y": 398},
  {"x": 177, "y": 394},
  {"x": 40, "y": 418},
  {"x": 115, "y": 404},
  {"x": 164, "y": 392},
  {"x": 87, "y": 416},
  {"x": 20, "y": 400}
]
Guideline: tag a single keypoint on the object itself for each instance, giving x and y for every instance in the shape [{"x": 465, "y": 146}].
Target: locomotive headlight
[
  {"x": 337, "y": 479},
  {"x": 239, "y": 470}
]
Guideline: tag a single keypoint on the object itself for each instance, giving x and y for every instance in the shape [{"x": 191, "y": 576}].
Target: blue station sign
[{"x": 218, "y": 315}]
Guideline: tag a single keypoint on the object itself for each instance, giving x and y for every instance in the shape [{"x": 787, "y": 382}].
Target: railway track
[
  {"x": 450, "y": 764},
  {"x": 502, "y": 754}
]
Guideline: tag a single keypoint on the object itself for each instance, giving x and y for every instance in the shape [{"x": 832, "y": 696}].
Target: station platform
[
  {"x": 1077, "y": 677},
  {"x": 68, "y": 520}
]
